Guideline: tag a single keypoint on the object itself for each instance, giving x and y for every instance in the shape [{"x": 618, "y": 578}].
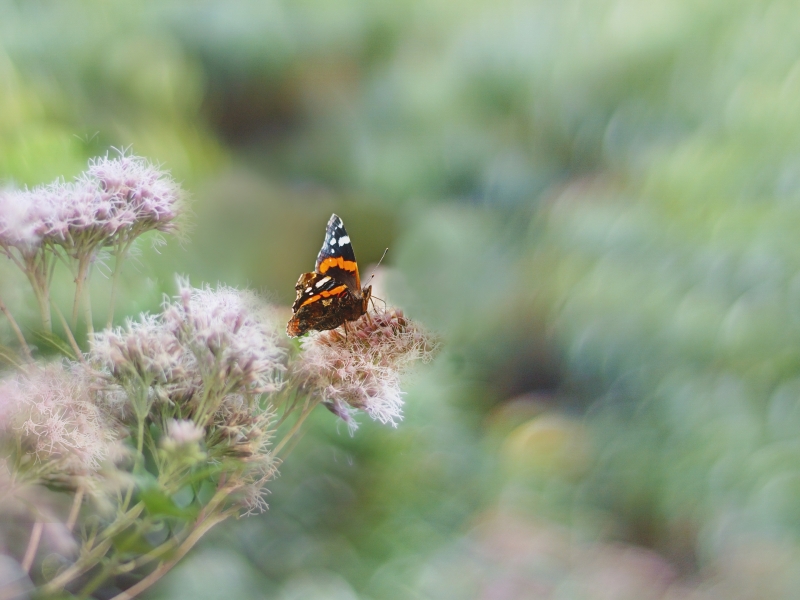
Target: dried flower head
[
  {"x": 361, "y": 369},
  {"x": 50, "y": 414}
]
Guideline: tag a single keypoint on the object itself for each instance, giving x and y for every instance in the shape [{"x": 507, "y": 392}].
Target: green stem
[
  {"x": 139, "y": 459},
  {"x": 92, "y": 554},
  {"x": 17, "y": 331},
  {"x": 70, "y": 337},
  {"x": 76, "y": 508},
  {"x": 98, "y": 578},
  {"x": 294, "y": 429},
  {"x": 200, "y": 530},
  {"x": 78, "y": 568},
  {"x": 44, "y": 305},
  {"x": 119, "y": 256},
  {"x": 79, "y": 278},
  {"x": 87, "y": 305}
]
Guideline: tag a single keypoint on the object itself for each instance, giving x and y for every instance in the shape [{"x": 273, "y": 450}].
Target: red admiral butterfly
[{"x": 332, "y": 294}]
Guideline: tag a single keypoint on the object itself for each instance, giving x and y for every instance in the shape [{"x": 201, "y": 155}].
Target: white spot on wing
[
  {"x": 345, "y": 239},
  {"x": 308, "y": 289},
  {"x": 321, "y": 282}
]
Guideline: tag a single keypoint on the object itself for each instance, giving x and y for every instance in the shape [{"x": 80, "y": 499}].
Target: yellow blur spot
[{"x": 547, "y": 445}]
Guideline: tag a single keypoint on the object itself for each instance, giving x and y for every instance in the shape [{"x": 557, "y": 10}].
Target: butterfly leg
[{"x": 372, "y": 300}]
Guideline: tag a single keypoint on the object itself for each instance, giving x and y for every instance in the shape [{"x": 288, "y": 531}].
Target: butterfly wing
[
  {"x": 313, "y": 287},
  {"x": 336, "y": 259},
  {"x": 331, "y": 294},
  {"x": 322, "y": 303}
]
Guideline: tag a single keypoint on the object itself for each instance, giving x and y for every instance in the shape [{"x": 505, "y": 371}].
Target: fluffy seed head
[
  {"x": 50, "y": 413},
  {"x": 362, "y": 369}
]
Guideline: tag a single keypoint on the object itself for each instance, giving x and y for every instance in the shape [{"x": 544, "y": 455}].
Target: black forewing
[{"x": 336, "y": 258}]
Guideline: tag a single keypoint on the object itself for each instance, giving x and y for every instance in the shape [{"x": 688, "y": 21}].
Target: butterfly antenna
[{"x": 378, "y": 265}]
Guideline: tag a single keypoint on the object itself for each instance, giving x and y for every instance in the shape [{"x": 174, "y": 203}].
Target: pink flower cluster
[
  {"x": 227, "y": 332},
  {"x": 51, "y": 413},
  {"x": 115, "y": 200},
  {"x": 205, "y": 338}
]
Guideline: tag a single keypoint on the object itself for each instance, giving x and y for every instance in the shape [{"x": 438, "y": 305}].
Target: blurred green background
[{"x": 595, "y": 203}]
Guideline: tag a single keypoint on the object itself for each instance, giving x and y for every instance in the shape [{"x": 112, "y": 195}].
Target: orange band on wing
[
  {"x": 347, "y": 265},
  {"x": 326, "y": 294},
  {"x": 334, "y": 292},
  {"x": 310, "y": 300}
]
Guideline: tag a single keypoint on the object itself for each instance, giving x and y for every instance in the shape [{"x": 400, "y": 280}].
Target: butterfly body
[{"x": 332, "y": 294}]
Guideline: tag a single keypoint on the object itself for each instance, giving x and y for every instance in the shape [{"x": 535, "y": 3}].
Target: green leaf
[
  {"x": 54, "y": 342},
  {"x": 7, "y": 355},
  {"x": 160, "y": 504}
]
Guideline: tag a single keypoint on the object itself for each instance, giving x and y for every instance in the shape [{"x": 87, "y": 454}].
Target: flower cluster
[
  {"x": 22, "y": 222},
  {"x": 200, "y": 368},
  {"x": 187, "y": 413},
  {"x": 108, "y": 206},
  {"x": 113, "y": 200},
  {"x": 206, "y": 345},
  {"x": 136, "y": 194},
  {"x": 228, "y": 334},
  {"x": 361, "y": 368},
  {"x": 182, "y": 441},
  {"x": 144, "y": 349}
]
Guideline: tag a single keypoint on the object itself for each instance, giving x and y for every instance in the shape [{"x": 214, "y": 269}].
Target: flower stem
[
  {"x": 199, "y": 531},
  {"x": 87, "y": 308},
  {"x": 44, "y": 306},
  {"x": 98, "y": 579},
  {"x": 92, "y": 554},
  {"x": 119, "y": 256},
  {"x": 17, "y": 331},
  {"x": 70, "y": 337},
  {"x": 75, "y": 510},
  {"x": 33, "y": 545},
  {"x": 79, "y": 279},
  {"x": 294, "y": 429}
]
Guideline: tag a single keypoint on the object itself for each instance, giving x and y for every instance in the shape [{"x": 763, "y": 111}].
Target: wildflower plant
[{"x": 119, "y": 457}]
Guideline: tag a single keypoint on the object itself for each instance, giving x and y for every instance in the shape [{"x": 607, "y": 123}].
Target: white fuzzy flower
[
  {"x": 183, "y": 431},
  {"x": 362, "y": 369},
  {"x": 50, "y": 413},
  {"x": 145, "y": 349},
  {"x": 138, "y": 192},
  {"x": 22, "y": 220}
]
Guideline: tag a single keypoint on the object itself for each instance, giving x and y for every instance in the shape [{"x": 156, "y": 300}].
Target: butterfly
[{"x": 332, "y": 294}]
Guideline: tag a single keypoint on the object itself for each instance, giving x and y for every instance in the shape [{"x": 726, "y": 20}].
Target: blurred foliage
[{"x": 595, "y": 202}]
